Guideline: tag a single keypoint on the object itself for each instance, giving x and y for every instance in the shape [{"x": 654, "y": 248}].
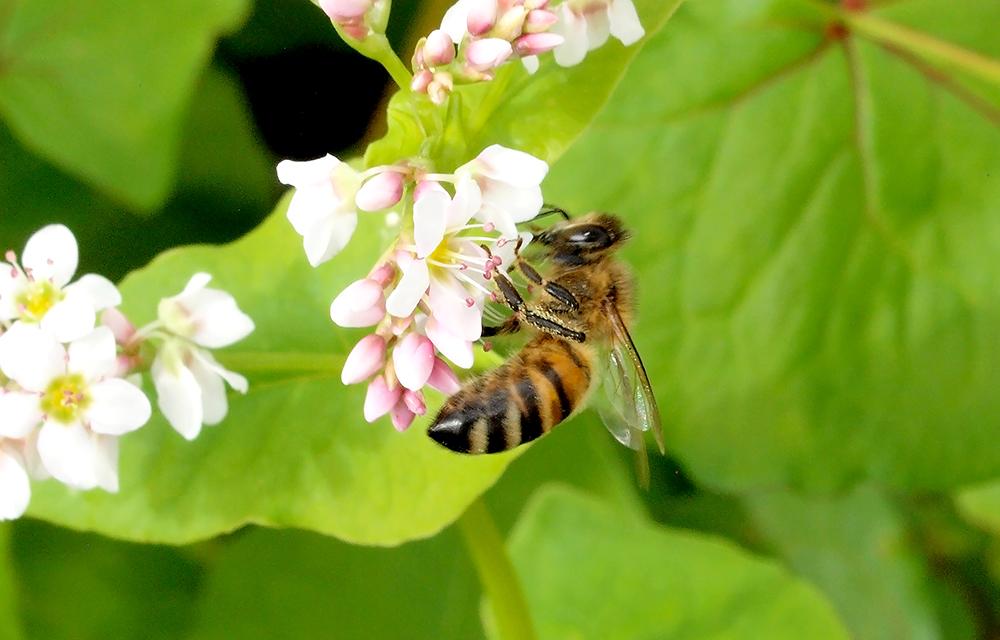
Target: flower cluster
[
  {"x": 487, "y": 33},
  {"x": 425, "y": 296},
  {"x": 68, "y": 388}
]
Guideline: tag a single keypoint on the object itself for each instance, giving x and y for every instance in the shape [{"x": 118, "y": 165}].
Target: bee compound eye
[{"x": 589, "y": 236}]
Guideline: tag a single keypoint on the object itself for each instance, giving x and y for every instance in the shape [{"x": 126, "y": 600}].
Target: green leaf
[
  {"x": 587, "y": 573},
  {"x": 814, "y": 228},
  {"x": 10, "y": 628},
  {"x": 980, "y": 505},
  {"x": 296, "y": 450},
  {"x": 858, "y": 551},
  {"x": 306, "y": 586},
  {"x": 100, "y": 87},
  {"x": 82, "y": 587},
  {"x": 541, "y": 113}
]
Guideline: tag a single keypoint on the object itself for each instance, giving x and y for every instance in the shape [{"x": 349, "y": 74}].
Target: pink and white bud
[
  {"x": 413, "y": 360},
  {"x": 367, "y": 357},
  {"x": 440, "y": 88},
  {"x": 511, "y": 23},
  {"x": 361, "y": 304},
  {"x": 488, "y": 53},
  {"x": 345, "y": 10},
  {"x": 535, "y": 4},
  {"x": 482, "y": 16},
  {"x": 383, "y": 274},
  {"x": 539, "y": 20},
  {"x": 401, "y": 416},
  {"x": 380, "y": 399},
  {"x": 120, "y": 326},
  {"x": 381, "y": 191},
  {"x": 438, "y": 49},
  {"x": 536, "y": 43},
  {"x": 443, "y": 378},
  {"x": 414, "y": 401},
  {"x": 421, "y": 80}
]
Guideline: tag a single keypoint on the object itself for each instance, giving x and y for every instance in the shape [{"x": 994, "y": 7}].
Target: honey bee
[{"x": 582, "y": 342}]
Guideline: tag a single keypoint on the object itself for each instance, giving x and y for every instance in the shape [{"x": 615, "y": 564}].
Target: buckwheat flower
[
  {"x": 38, "y": 290},
  {"x": 15, "y": 488},
  {"x": 488, "y": 53},
  {"x": 82, "y": 407},
  {"x": 413, "y": 361},
  {"x": 323, "y": 209},
  {"x": 190, "y": 383},
  {"x": 361, "y": 304},
  {"x": 510, "y": 183},
  {"x": 585, "y": 25},
  {"x": 365, "y": 359},
  {"x": 381, "y": 191}
]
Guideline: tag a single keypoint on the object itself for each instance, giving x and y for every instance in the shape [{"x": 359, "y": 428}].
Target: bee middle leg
[
  {"x": 537, "y": 318},
  {"x": 551, "y": 287}
]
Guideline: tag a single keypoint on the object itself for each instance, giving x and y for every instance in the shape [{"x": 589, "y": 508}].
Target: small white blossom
[
  {"x": 74, "y": 395},
  {"x": 586, "y": 24},
  {"x": 190, "y": 383},
  {"x": 510, "y": 183},
  {"x": 38, "y": 291},
  {"x": 15, "y": 489},
  {"x": 323, "y": 209}
]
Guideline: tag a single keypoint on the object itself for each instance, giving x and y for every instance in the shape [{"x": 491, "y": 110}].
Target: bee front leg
[
  {"x": 554, "y": 289},
  {"x": 539, "y": 319}
]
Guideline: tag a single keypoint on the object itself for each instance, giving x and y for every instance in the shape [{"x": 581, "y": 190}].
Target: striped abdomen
[{"x": 518, "y": 402}]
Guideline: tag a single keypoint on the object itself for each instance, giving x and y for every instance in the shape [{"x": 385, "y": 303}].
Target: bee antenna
[{"x": 548, "y": 209}]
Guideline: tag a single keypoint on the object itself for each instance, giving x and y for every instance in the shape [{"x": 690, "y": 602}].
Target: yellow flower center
[
  {"x": 37, "y": 298},
  {"x": 66, "y": 398}
]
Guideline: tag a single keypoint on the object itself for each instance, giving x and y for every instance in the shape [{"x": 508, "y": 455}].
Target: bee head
[{"x": 584, "y": 239}]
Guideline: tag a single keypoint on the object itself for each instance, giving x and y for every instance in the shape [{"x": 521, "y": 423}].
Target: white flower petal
[
  {"x": 178, "y": 395},
  {"x": 233, "y": 379},
  {"x": 28, "y": 450},
  {"x": 430, "y": 218},
  {"x": 520, "y": 203},
  {"x": 625, "y": 24},
  {"x": 310, "y": 205},
  {"x": 511, "y": 166},
  {"x": 106, "y": 463},
  {"x": 117, "y": 407},
  {"x": 468, "y": 200},
  {"x": 213, "y": 392},
  {"x": 19, "y": 414},
  {"x": 410, "y": 289},
  {"x": 455, "y": 20},
  {"x": 94, "y": 355},
  {"x": 218, "y": 321},
  {"x": 69, "y": 319},
  {"x": 328, "y": 237},
  {"x": 100, "y": 292},
  {"x": 573, "y": 28},
  {"x": 31, "y": 357},
  {"x": 310, "y": 172},
  {"x": 11, "y": 283},
  {"x": 500, "y": 219},
  {"x": 451, "y": 308},
  {"x": 15, "y": 489},
  {"x": 51, "y": 254},
  {"x": 454, "y": 348},
  {"x": 530, "y": 64},
  {"x": 70, "y": 453},
  {"x": 195, "y": 285},
  {"x": 597, "y": 28}
]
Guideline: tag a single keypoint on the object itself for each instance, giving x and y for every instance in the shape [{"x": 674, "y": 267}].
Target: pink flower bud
[
  {"x": 401, "y": 416},
  {"x": 438, "y": 50},
  {"x": 380, "y": 191},
  {"x": 120, "y": 326},
  {"x": 380, "y": 399},
  {"x": 345, "y": 10},
  {"x": 539, "y": 20},
  {"x": 413, "y": 359},
  {"x": 367, "y": 357},
  {"x": 482, "y": 15},
  {"x": 536, "y": 43},
  {"x": 443, "y": 378},
  {"x": 510, "y": 24},
  {"x": 488, "y": 53},
  {"x": 383, "y": 274},
  {"x": 414, "y": 401},
  {"x": 420, "y": 80},
  {"x": 439, "y": 89},
  {"x": 361, "y": 304}
]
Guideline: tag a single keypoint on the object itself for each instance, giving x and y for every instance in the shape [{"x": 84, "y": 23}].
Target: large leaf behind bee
[{"x": 817, "y": 228}]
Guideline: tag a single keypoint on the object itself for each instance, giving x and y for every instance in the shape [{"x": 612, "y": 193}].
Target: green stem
[
  {"x": 496, "y": 574},
  {"x": 376, "y": 46},
  {"x": 919, "y": 44}
]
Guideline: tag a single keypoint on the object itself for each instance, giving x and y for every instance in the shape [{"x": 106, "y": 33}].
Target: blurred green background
[{"x": 817, "y": 212}]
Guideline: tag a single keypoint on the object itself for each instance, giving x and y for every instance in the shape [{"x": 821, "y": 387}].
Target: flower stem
[
  {"x": 376, "y": 46},
  {"x": 496, "y": 574}
]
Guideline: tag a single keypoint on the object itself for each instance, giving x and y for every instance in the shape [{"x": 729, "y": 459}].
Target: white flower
[
  {"x": 190, "y": 383},
  {"x": 510, "y": 184},
  {"x": 15, "y": 489},
  {"x": 585, "y": 25},
  {"x": 449, "y": 271},
  {"x": 73, "y": 394},
  {"x": 322, "y": 210},
  {"x": 37, "y": 290}
]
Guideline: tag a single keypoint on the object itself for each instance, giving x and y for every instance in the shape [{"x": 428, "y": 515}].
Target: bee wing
[
  {"x": 617, "y": 411},
  {"x": 634, "y": 393}
]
